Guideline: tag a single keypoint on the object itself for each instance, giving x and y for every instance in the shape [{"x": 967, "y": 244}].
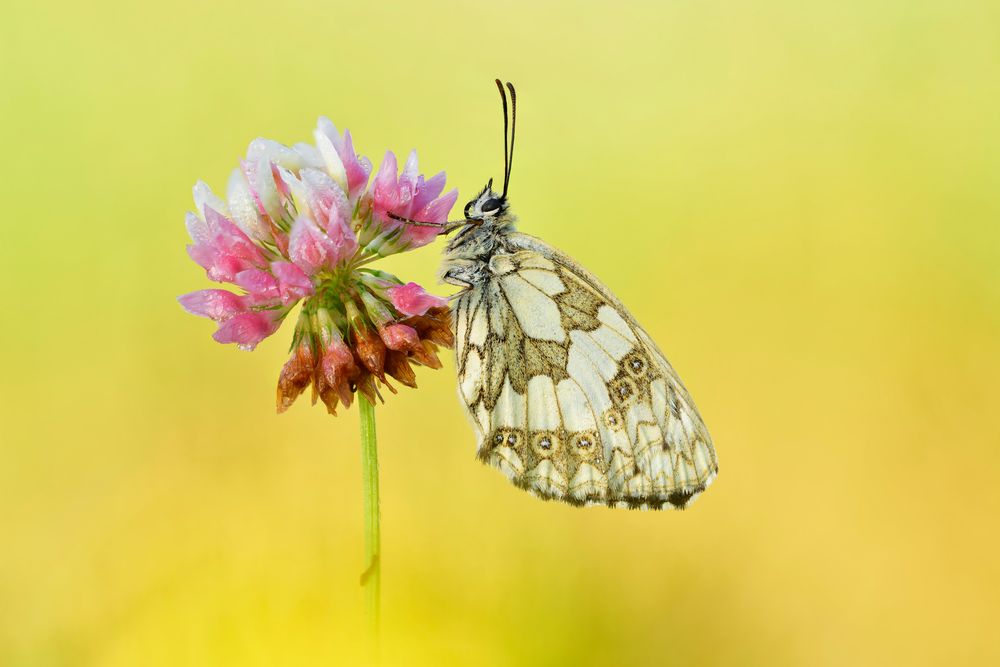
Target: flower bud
[
  {"x": 296, "y": 374},
  {"x": 399, "y": 337},
  {"x": 378, "y": 310},
  {"x": 336, "y": 372},
  {"x": 412, "y": 299}
]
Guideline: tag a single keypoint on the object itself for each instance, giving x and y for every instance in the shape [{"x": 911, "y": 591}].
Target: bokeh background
[{"x": 799, "y": 200}]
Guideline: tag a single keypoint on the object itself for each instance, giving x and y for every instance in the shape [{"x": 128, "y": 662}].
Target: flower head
[{"x": 302, "y": 224}]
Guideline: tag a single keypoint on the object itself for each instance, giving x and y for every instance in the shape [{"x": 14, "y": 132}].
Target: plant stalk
[{"x": 371, "y": 578}]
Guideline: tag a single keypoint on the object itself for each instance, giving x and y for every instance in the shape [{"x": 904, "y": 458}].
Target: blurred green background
[{"x": 801, "y": 202}]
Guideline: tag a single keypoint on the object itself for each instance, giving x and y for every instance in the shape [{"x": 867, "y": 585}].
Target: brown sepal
[
  {"x": 426, "y": 355},
  {"x": 369, "y": 351},
  {"x": 434, "y": 326},
  {"x": 397, "y": 366},
  {"x": 367, "y": 387}
]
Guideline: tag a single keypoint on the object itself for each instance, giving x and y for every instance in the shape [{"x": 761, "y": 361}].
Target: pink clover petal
[
  {"x": 247, "y": 330},
  {"x": 343, "y": 238},
  {"x": 220, "y": 266},
  {"x": 293, "y": 283},
  {"x": 412, "y": 299},
  {"x": 261, "y": 286},
  {"x": 325, "y": 198},
  {"x": 203, "y": 255},
  {"x": 428, "y": 190},
  {"x": 226, "y": 267},
  {"x": 364, "y": 170},
  {"x": 348, "y": 165},
  {"x": 358, "y": 168},
  {"x": 227, "y": 237},
  {"x": 221, "y": 248},
  {"x": 250, "y": 173},
  {"x": 310, "y": 248},
  {"x": 218, "y": 223},
  {"x": 415, "y": 236},
  {"x": 215, "y": 304},
  {"x": 278, "y": 183},
  {"x": 385, "y": 190},
  {"x": 197, "y": 229},
  {"x": 437, "y": 210}
]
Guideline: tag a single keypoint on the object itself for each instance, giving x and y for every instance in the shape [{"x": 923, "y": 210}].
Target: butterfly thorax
[{"x": 485, "y": 233}]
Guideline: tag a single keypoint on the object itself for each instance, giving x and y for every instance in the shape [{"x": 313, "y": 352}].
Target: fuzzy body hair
[{"x": 477, "y": 240}]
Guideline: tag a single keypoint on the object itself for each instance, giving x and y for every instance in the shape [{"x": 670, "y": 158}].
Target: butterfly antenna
[
  {"x": 513, "y": 128},
  {"x": 506, "y": 160}
]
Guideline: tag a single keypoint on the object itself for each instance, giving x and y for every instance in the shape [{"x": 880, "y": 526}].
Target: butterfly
[{"x": 568, "y": 395}]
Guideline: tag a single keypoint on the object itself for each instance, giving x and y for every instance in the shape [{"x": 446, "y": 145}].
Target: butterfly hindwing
[{"x": 569, "y": 397}]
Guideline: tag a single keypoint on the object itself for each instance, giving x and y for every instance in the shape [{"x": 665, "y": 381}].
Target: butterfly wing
[{"x": 568, "y": 395}]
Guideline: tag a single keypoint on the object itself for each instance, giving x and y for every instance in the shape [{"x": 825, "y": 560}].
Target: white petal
[
  {"x": 203, "y": 195},
  {"x": 298, "y": 190},
  {"x": 410, "y": 169},
  {"x": 334, "y": 165},
  {"x": 267, "y": 189},
  {"x": 326, "y": 126},
  {"x": 243, "y": 208},
  {"x": 309, "y": 155},
  {"x": 196, "y": 228},
  {"x": 276, "y": 152}
]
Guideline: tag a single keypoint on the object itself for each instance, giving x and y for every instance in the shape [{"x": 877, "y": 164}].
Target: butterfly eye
[{"x": 490, "y": 205}]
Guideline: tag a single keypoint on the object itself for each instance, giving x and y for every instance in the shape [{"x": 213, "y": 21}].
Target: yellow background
[{"x": 799, "y": 201}]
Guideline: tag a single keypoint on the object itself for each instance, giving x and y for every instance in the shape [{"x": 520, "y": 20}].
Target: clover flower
[{"x": 302, "y": 224}]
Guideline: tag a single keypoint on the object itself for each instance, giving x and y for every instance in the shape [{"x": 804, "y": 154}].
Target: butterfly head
[{"x": 487, "y": 206}]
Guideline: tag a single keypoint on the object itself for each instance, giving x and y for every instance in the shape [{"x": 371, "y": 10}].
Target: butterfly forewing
[{"x": 569, "y": 397}]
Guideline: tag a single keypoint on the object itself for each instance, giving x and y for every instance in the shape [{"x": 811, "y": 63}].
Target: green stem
[{"x": 371, "y": 578}]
